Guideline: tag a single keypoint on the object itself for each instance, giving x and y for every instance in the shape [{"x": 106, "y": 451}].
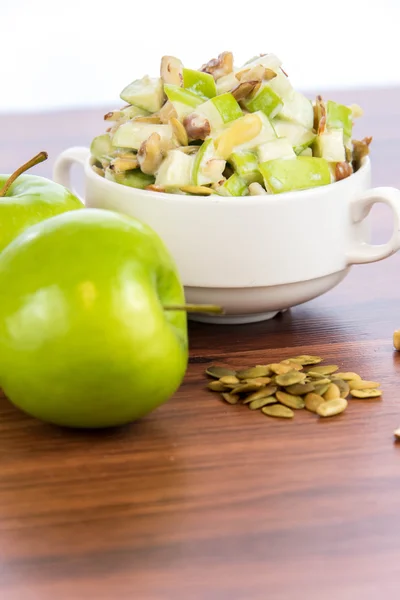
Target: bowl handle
[
  {"x": 63, "y": 165},
  {"x": 361, "y": 252}
]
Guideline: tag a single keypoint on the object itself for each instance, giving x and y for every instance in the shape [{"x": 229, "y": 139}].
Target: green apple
[
  {"x": 339, "y": 116},
  {"x": 299, "y": 136},
  {"x": 132, "y": 134},
  {"x": 184, "y": 101},
  {"x": 135, "y": 178},
  {"x": 85, "y": 337},
  {"x": 207, "y": 167},
  {"x": 28, "y": 199},
  {"x": 300, "y": 173},
  {"x": 280, "y": 84},
  {"x": 175, "y": 170},
  {"x": 199, "y": 82},
  {"x": 233, "y": 186},
  {"x": 269, "y": 61},
  {"x": 146, "y": 93},
  {"x": 245, "y": 164},
  {"x": 101, "y": 147},
  {"x": 298, "y": 109},
  {"x": 265, "y": 100},
  {"x": 278, "y": 148},
  {"x": 220, "y": 110},
  {"x": 330, "y": 145}
]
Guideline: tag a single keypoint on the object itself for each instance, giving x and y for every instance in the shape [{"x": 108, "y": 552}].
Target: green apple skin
[
  {"x": 199, "y": 83},
  {"x": 29, "y": 200},
  {"x": 300, "y": 173},
  {"x": 84, "y": 339}
]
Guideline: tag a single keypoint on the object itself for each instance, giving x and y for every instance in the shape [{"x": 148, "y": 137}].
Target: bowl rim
[{"x": 216, "y": 199}]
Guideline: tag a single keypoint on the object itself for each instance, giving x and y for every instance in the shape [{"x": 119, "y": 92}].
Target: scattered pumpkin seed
[
  {"x": 322, "y": 381},
  {"x": 363, "y": 385},
  {"x": 230, "y": 398},
  {"x": 264, "y": 392},
  {"x": 300, "y": 389},
  {"x": 321, "y": 389},
  {"x": 280, "y": 368},
  {"x": 347, "y": 376},
  {"x": 256, "y": 404},
  {"x": 229, "y": 380},
  {"x": 325, "y": 370},
  {"x": 278, "y": 411},
  {"x": 216, "y": 386},
  {"x": 289, "y": 400},
  {"x": 312, "y": 401},
  {"x": 306, "y": 359},
  {"x": 343, "y": 387},
  {"x": 332, "y": 392},
  {"x": 247, "y": 388},
  {"x": 197, "y": 190},
  {"x": 290, "y": 378},
  {"x": 254, "y": 372},
  {"x": 332, "y": 407},
  {"x": 367, "y": 393},
  {"x": 262, "y": 380},
  {"x": 293, "y": 364},
  {"x": 218, "y": 372}
]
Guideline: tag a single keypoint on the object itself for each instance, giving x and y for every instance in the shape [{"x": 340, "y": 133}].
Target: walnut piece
[
  {"x": 343, "y": 170},
  {"x": 360, "y": 150},
  {"x": 197, "y": 127},
  {"x": 244, "y": 89},
  {"x": 218, "y": 67},
  {"x": 171, "y": 70}
]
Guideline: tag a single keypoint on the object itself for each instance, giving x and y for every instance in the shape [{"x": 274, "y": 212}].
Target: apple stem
[
  {"x": 197, "y": 308},
  {"x": 31, "y": 163}
]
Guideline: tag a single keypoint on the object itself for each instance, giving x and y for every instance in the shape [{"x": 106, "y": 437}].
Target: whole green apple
[
  {"x": 86, "y": 337},
  {"x": 28, "y": 199}
]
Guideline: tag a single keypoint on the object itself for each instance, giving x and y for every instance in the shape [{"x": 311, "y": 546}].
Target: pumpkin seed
[
  {"x": 343, "y": 387},
  {"x": 230, "y": 398},
  {"x": 367, "y": 393},
  {"x": 197, "y": 190},
  {"x": 322, "y": 381},
  {"x": 332, "y": 392},
  {"x": 295, "y": 365},
  {"x": 229, "y": 380},
  {"x": 179, "y": 132},
  {"x": 256, "y": 404},
  {"x": 246, "y": 388},
  {"x": 396, "y": 433},
  {"x": 290, "y": 378},
  {"x": 312, "y": 375},
  {"x": 363, "y": 385},
  {"x": 262, "y": 380},
  {"x": 325, "y": 370},
  {"x": 306, "y": 359},
  {"x": 396, "y": 339},
  {"x": 278, "y": 411},
  {"x": 300, "y": 389},
  {"x": 289, "y": 400},
  {"x": 347, "y": 376},
  {"x": 312, "y": 401},
  {"x": 280, "y": 368},
  {"x": 216, "y": 386},
  {"x": 218, "y": 372},
  {"x": 269, "y": 390},
  {"x": 332, "y": 407},
  {"x": 254, "y": 372},
  {"x": 321, "y": 389}
]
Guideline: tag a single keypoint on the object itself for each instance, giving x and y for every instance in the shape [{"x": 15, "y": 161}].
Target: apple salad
[{"x": 232, "y": 131}]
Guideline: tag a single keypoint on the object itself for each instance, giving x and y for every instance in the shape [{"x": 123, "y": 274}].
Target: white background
[{"x": 77, "y": 53}]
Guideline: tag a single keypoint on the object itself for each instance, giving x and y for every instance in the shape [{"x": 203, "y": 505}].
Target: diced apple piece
[
  {"x": 306, "y": 152},
  {"x": 132, "y": 134},
  {"x": 175, "y": 170},
  {"x": 279, "y": 148},
  {"x": 281, "y": 84},
  {"x": 184, "y": 101},
  {"x": 146, "y": 93},
  {"x": 135, "y": 178},
  {"x": 220, "y": 110},
  {"x": 233, "y": 186},
  {"x": 265, "y": 100},
  {"x": 330, "y": 145},
  {"x": 269, "y": 61},
  {"x": 207, "y": 167},
  {"x": 298, "y": 109},
  {"x": 300, "y": 173},
  {"x": 246, "y": 166},
  {"x": 101, "y": 146},
  {"x": 339, "y": 116},
  {"x": 226, "y": 83},
  {"x": 199, "y": 83},
  {"x": 298, "y": 136}
]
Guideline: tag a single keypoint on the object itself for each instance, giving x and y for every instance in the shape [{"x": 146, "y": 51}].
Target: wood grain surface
[{"x": 204, "y": 501}]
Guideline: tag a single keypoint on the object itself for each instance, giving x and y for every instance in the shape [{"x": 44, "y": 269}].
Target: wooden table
[{"x": 201, "y": 500}]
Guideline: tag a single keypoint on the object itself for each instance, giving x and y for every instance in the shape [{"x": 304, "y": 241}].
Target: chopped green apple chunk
[
  {"x": 135, "y": 178},
  {"x": 207, "y": 167},
  {"x": 279, "y": 148},
  {"x": 101, "y": 146},
  {"x": 265, "y": 100},
  {"x": 175, "y": 170},
  {"x": 233, "y": 186},
  {"x": 281, "y": 84},
  {"x": 199, "y": 82},
  {"x": 226, "y": 83},
  {"x": 299, "y": 136},
  {"x": 339, "y": 116},
  {"x": 132, "y": 134},
  {"x": 306, "y": 152},
  {"x": 184, "y": 101},
  {"x": 298, "y": 109},
  {"x": 330, "y": 145},
  {"x": 298, "y": 173},
  {"x": 146, "y": 93},
  {"x": 220, "y": 110},
  {"x": 269, "y": 61},
  {"x": 245, "y": 165}
]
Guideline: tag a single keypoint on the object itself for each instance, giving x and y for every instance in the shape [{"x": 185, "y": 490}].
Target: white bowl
[{"x": 253, "y": 255}]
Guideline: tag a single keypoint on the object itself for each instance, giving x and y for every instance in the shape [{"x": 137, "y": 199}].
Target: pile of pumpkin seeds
[{"x": 278, "y": 389}]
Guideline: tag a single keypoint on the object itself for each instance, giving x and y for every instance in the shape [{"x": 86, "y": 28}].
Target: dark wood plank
[{"x": 206, "y": 501}]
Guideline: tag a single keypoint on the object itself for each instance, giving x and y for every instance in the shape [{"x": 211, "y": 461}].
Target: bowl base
[{"x": 234, "y": 319}]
